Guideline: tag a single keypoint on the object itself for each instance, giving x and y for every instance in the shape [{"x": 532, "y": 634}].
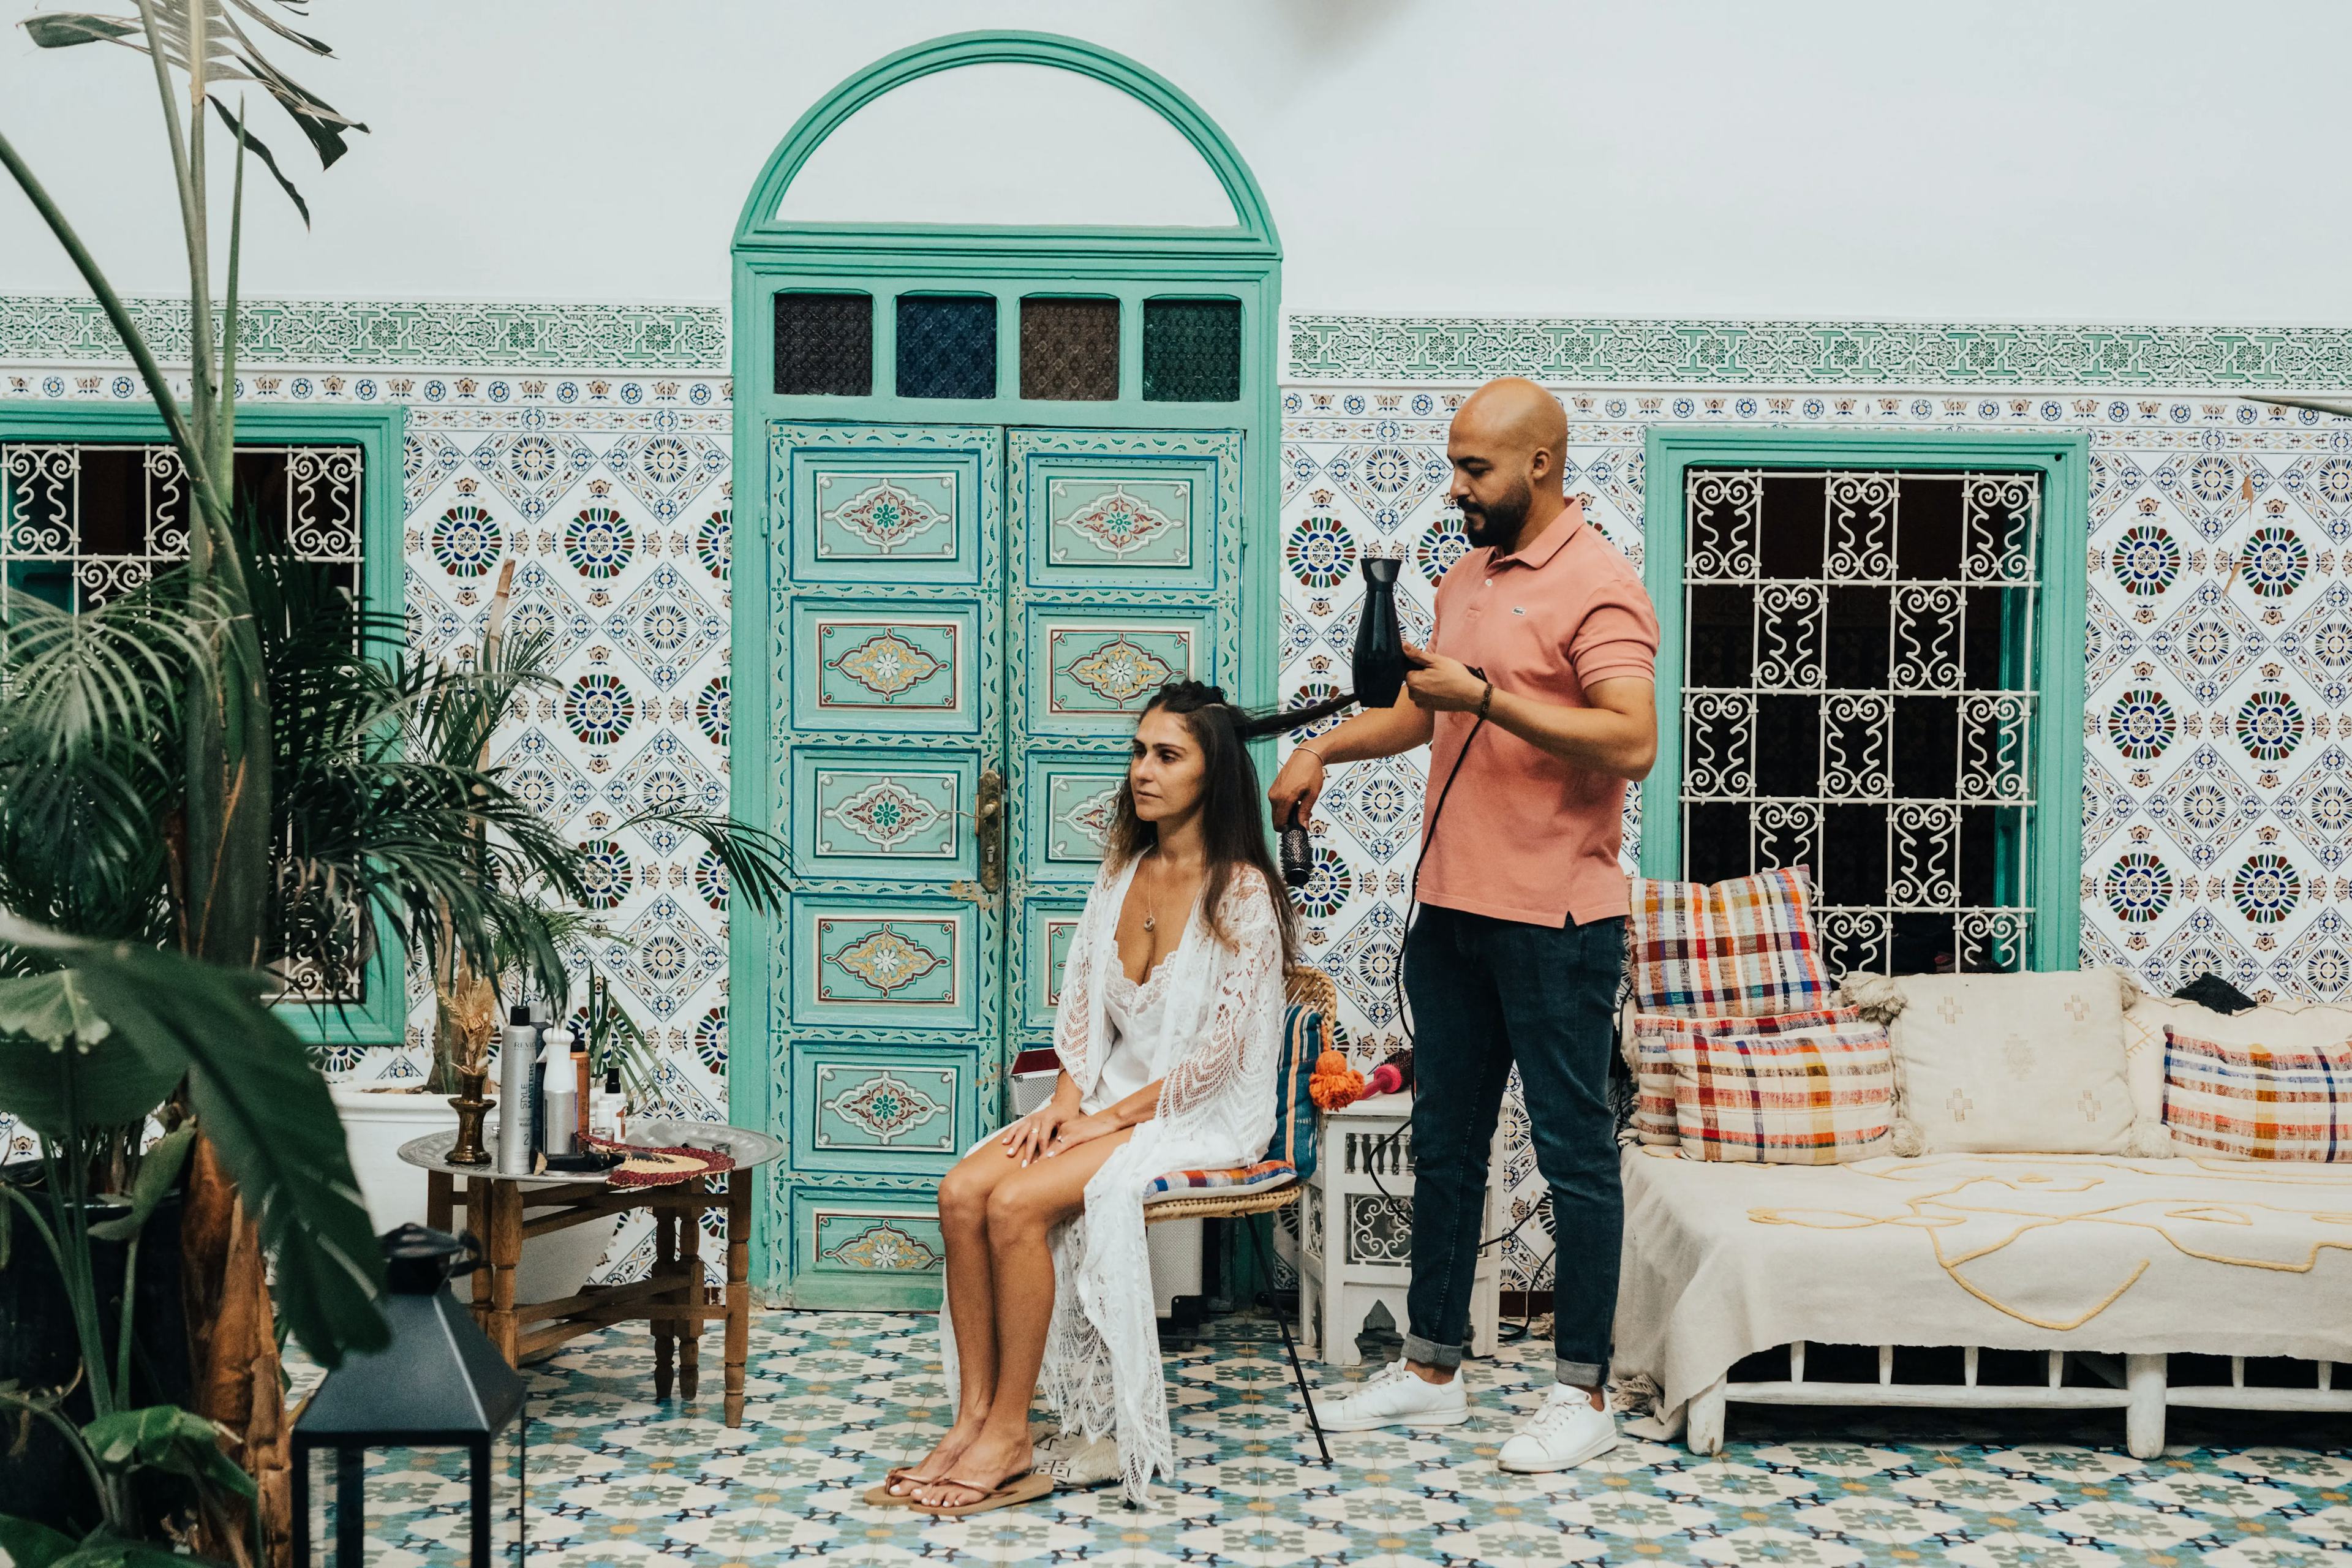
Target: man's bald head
[{"x": 1508, "y": 445}]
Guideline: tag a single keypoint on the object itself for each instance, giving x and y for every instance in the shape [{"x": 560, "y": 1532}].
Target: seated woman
[{"x": 1168, "y": 1031}]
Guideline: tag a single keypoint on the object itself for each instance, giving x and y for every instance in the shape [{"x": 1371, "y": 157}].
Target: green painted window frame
[
  {"x": 1130, "y": 264},
  {"x": 2054, "y": 858},
  {"x": 381, "y": 434}
]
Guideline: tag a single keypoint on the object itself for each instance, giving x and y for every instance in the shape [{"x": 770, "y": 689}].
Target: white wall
[{"x": 2100, "y": 160}]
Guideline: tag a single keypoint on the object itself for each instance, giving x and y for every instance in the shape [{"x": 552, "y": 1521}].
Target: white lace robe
[{"x": 1218, "y": 1053}]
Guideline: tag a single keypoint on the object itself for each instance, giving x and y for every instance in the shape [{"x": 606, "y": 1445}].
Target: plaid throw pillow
[
  {"x": 1655, "y": 1034},
  {"x": 1810, "y": 1089},
  {"x": 2258, "y": 1103},
  {"x": 1745, "y": 948}
]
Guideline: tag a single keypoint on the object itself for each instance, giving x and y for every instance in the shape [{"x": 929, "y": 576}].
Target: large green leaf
[
  {"x": 165, "y": 1437},
  {"x": 158, "y": 1173},
  {"x": 64, "y": 1067},
  {"x": 266, "y": 1109},
  {"x": 24, "y": 1543}
]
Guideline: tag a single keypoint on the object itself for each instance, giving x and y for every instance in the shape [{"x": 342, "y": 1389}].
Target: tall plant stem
[
  {"x": 80, "y": 1446},
  {"x": 175, "y": 420}
]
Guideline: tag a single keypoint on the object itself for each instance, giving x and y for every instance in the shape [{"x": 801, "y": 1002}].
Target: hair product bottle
[
  {"x": 518, "y": 1057},
  {"x": 562, "y": 1096}
]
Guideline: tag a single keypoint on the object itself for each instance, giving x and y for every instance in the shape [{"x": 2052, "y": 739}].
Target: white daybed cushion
[
  {"x": 2287, "y": 1026},
  {"x": 2006, "y": 1063},
  {"x": 2005, "y": 1251}
]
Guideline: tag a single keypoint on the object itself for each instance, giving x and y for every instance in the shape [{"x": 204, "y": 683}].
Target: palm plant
[{"x": 217, "y": 761}]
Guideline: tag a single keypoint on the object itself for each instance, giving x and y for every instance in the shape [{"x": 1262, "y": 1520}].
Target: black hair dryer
[{"x": 1378, "y": 667}]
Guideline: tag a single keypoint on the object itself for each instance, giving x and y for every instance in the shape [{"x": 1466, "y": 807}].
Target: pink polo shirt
[{"x": 1526, "y": 837}]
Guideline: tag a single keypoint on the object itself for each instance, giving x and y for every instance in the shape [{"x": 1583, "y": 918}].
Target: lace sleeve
[
  {"x": 1074, "y": 1013},
  {"x": 1237, "y": 1039}
]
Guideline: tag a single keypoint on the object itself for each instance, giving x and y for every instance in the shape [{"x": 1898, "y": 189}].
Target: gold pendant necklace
[{"x": 1151, "y": 912}]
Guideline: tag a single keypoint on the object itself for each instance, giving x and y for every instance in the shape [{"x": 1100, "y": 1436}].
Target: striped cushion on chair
[
  {"x": 1745, "y": 948},
  {"x": 2258, "y": 1103},
  {"x": 1812, "y": 1089},
  {"x": 1236, "y": 1181},
  {"x": 1303, "y": 1036}
]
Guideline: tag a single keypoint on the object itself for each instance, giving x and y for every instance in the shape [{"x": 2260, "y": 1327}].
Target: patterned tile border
[
  {"x": 674, "y": 338},
  {"x": 1613, "y": 353}
]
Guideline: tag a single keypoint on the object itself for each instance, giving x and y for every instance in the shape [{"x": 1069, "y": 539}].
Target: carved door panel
[
  {"x": 1124, "y": 565},
  {"x": 889, "y": 736}
]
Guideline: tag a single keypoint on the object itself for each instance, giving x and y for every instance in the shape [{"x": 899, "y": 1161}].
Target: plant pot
[
  {"x": 39, "y": 1349},
  {"x": 377, "y": 1120}
]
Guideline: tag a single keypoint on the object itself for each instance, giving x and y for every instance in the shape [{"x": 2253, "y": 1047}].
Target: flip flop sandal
[
  {"x": 883, "y": 1497},
  {"x": 1026, "y": 1487},
  {"x": 1080, "y": 1467}
]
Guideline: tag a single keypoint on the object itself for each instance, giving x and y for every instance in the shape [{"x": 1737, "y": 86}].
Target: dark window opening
[
  {"x": 1191, "y": 350},
  {"x": 824, "y": 345},
  {"x": 947, "y": 345},
  {"x": 1069, "y": 349},
  {"x": 1858, "y": 697}
]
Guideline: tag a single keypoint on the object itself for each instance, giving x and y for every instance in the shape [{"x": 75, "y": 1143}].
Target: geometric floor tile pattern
[{"x": 837, "y": 1397}]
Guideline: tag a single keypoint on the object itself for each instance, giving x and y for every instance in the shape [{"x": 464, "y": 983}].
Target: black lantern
[{"x": 439, "y": 1383}]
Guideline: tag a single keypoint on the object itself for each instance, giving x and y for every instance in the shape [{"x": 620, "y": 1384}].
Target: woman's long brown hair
[{"x": 1230, "y": 827}]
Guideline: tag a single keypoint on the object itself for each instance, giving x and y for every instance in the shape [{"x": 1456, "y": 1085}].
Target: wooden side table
[
  {"x": 1355, "y": 1231},
  {"x": 673, "y": 1297}
]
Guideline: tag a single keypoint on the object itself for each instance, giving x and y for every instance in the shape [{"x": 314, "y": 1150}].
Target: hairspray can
[{"x": 517, "y": 1056}]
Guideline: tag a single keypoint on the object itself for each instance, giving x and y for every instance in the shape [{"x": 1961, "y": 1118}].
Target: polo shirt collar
[{"x": 1551, "y": 541}]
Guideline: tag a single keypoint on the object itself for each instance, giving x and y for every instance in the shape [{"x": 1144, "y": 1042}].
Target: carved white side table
[{"x": 1356, "y": 1240}]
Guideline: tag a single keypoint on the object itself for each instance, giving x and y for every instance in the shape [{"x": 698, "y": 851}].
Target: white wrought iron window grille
[
  {"x": 1858, "y": 697},
  {"x": 83, "y": 522}
]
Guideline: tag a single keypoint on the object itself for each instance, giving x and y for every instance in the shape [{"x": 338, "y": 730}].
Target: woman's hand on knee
[
  {"x": 1028, "y": 1138},
  {"x": 1080, "y": 1129}
]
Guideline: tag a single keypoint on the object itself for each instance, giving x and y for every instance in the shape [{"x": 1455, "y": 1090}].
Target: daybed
[{"x": 2106, "y": 1261}]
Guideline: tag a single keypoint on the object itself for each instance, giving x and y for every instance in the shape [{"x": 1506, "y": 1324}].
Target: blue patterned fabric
[{"x": 1233, "y": 1180}]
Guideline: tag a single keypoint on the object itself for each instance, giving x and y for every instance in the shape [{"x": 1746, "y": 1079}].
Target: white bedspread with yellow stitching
[{"x": 2014, "y": 1251}]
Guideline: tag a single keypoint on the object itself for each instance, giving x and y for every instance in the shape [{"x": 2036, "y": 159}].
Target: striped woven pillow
[
  {"x": 1303, "y": 1032},
  {"x": 1236, "y": 1180},
  {"x": 2256, "y": 1101},
  {"x": 1815, "y": 1088},
  {"x": 1745, "y": 948},
  {"x": 1655, "y": 1034}
]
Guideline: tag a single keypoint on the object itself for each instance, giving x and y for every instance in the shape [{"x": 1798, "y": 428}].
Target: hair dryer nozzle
[{"x": 1378, "y": 664}]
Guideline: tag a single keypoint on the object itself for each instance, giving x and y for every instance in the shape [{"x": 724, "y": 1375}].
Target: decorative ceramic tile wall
[
  {"x": 2217, "y": 800},
  {"x": 592, "y": 443}
]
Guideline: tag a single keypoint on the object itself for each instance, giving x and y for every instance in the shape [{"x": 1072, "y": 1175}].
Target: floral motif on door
[
  {"x": 884, "y": 515},
  {"x": 883, "y": 1106},
  {"x": 1113, "y": 670},
  {"x": 884, "y": 959},
  {"x": 882, "y": 1247},
  {"x": 1118, "y": 522},
  {"x": 887, "y": 662},
  {"x": 886, "y": 813}
]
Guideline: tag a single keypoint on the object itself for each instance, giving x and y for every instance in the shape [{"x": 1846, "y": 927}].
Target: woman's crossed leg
[{"x": 995, "y": 1214}]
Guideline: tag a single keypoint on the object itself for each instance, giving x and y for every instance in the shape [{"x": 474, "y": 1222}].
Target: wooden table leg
[
  {"x": 691, "y": 1294},
  {"x": 738, "y": 1289},
  {"x": 503, "y": 1222},
  {"x": 439, "y": 1202},
  {"x": 664, "y": 1329}
]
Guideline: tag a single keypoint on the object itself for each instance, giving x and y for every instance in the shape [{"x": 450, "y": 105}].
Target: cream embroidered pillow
[{"x": 2030, "y": 1064}]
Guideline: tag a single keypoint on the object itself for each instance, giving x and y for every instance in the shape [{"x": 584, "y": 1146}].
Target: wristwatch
[{"x": 1485, "y": 699}]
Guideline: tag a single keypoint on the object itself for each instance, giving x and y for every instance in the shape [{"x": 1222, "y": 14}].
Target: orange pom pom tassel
[{"x": 1333, "y": 1083}]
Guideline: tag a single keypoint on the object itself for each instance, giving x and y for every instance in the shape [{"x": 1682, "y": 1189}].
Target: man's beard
[{"x": 1496, "y": 525}]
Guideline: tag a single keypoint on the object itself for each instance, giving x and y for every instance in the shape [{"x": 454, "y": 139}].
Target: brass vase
[{"x": 470, "y": 1107}]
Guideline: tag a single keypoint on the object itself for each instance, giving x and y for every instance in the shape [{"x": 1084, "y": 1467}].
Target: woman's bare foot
[
  {"x": 937, "y": 1464},
  {"x": 993, "y": 1458}
]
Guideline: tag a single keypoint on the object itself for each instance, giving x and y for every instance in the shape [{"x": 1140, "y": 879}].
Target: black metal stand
[{"x": 1298, "y": 1372}]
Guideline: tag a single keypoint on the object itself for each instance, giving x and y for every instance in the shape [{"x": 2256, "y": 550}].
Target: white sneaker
[
  {"x": 1397, "y": 1396},
  {"x": 1561, "y": 1435}
]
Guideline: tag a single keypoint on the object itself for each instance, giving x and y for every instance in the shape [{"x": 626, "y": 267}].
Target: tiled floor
[{"x": 837, "y": 1397}]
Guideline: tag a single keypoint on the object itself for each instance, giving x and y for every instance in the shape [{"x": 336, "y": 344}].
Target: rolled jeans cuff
[
  {"x": 1429, "y": 1353},
  {"x": 1582, "y": 1374}
]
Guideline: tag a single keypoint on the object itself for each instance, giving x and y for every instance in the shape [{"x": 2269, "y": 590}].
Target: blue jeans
[{"x": 1485, "y": 993}]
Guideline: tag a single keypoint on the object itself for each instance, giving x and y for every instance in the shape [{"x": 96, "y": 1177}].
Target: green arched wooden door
[{"x": 994, "y": 486}]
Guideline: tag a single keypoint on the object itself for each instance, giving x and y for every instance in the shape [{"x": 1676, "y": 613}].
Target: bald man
[{"x": 1536, "y": 699}]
